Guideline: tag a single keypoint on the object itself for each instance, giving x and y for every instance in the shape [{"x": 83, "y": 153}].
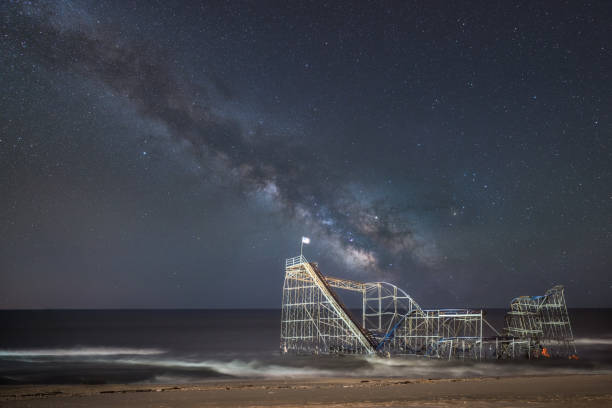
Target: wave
[
  {"x": 598, "y": 341},
  {"x": 424, "y": 368},
  {"x": 81, "y": 352},
  {"x": 236, "y": 368},
  {"x": 165, "y": 366},
  {"x": 365, "y": 367}
]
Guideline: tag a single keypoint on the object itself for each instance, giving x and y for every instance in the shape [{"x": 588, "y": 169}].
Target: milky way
[{"x": 450, "y": 162}]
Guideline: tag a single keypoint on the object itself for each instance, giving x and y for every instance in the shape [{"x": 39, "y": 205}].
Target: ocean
[{"x": 185, "y": 346}]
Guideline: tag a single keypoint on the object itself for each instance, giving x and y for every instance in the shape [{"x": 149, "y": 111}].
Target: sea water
[{"x": 182, "y": 346}]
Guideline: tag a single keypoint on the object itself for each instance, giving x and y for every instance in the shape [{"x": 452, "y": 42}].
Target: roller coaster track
[
  {"x": 367, "y": 339},
  {"x": 315, "y": 320},
  {"x": 364, "y": 336}
]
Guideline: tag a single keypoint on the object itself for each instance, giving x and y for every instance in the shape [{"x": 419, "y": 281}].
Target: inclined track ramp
[{"x": 368, "y": 336}]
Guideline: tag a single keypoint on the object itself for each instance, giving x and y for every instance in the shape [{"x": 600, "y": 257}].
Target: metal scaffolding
[
  {"x": 314, "y": 320},
  {"x": 540, "y": 325}
]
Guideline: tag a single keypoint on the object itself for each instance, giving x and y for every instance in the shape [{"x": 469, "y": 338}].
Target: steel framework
[
  {"x": 314, "y": 320},
  {"x": 541, "y": 325}
]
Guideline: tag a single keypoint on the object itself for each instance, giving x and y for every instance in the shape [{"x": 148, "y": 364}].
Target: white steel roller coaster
[{"x": 315, "y": 320}]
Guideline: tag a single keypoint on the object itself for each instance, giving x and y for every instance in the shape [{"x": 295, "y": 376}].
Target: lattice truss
[
  {"x": 314, "y": 320},
  {"x": 541, "y": 323}
]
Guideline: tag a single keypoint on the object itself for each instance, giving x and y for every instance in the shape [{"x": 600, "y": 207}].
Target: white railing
[{"x": 296, "y": 260}]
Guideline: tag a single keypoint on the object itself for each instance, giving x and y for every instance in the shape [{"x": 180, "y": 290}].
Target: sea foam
[{"x": 80, "y": 352}]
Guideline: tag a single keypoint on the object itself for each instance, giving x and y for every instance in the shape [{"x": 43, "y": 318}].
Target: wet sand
[{"x": 539, "y": 391}]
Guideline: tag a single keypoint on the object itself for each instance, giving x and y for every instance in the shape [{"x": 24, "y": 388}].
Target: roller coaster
[{"x": 314, "y": 320}]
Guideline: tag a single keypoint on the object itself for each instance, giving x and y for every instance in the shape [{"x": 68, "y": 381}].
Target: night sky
[{"x": 171, "y": 154}]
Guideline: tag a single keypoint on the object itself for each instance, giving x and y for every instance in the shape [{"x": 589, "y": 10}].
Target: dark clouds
[{"x": 392, "y": 192}]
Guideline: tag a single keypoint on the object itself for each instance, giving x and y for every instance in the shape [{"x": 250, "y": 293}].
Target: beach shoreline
[{"x": 536, "y": 391}]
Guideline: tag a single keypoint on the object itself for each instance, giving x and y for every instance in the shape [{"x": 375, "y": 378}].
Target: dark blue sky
[{"x": 173, "y": 154}]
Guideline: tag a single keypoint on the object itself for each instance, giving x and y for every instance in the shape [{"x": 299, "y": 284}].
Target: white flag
[{"x": 305, "y": 240}]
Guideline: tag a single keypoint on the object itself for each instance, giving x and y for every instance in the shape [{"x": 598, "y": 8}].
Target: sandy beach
[{"x": 537, "y": 391}]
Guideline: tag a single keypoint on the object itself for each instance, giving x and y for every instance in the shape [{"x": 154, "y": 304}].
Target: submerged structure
[
  {"x": 541, "y": 321},
  {"x": 315, "y": 320}
]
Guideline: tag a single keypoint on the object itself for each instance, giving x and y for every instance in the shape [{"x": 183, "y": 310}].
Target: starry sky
[{"x": 172, "y": 154}]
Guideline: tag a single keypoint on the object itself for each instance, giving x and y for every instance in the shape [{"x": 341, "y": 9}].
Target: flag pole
[{"x": 301, "y": 248}]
